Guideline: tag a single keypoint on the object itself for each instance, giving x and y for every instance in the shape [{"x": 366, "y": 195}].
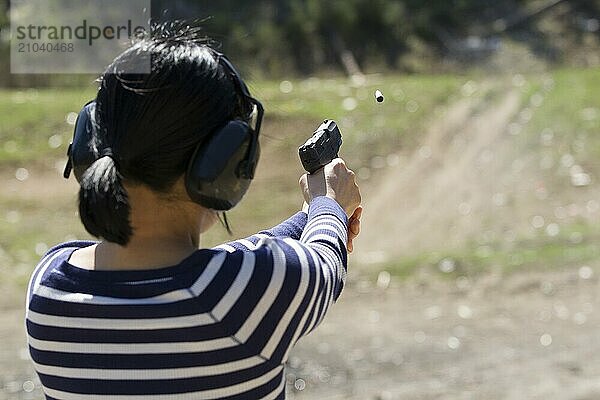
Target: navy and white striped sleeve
[
  {"x": 302, "y": 278},
  {"x": 291, "y": 227}
]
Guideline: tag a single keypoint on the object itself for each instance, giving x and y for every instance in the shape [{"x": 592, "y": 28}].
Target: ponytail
[{"x": 103, "y": 202}]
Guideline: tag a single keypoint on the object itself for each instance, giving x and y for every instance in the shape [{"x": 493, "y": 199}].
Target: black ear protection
[
  {"x": 220, "y": 171},
  {"x": 222, "y": 166},
  {"x": 81, "y": 152}
]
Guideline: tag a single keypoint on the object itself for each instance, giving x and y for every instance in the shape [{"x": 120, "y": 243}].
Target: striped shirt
[{"x": 218, "y": 325}]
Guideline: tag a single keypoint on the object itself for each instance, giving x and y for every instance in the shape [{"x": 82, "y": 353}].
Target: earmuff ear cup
[
  {"x": 213, "y": 178},
  {"x": 82, "y": 153}
]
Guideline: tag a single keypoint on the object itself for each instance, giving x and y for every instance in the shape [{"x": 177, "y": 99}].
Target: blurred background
[{"x": 476, "y": 273}]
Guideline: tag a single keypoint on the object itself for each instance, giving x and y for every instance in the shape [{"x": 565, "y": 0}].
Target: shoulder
[
  {"x": 269, "y": 254},
  {"x": 70, "y": 245},
  {"x": 55, "y": 256},
  {"x": 258, "y": 243},
  {"x": 261, "y": 244},
  {"x": 62, "y": 251}
]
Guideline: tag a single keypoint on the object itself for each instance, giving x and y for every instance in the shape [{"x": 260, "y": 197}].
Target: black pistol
[{"x": 322, "y": 147}]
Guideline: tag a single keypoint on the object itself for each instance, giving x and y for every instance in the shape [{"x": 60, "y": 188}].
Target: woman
[{"x": 144, "y": 313}]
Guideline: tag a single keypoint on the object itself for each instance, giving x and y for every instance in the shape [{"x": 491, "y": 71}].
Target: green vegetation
[
  {"x": 525, "y": 254},
  {"x": 560, "y": 139},
  {"x": 31, "y": 117},
  {"x": 34, "y": 133},
  {"x": 369, "y": 128},
  {"x": 303, "y": 37},
  {"x": 570, "y": 115}
]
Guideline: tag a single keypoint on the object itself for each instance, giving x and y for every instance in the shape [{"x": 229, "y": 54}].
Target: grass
[
  {"x": 563, "y": 133},
  {"x": 30, "y": 118},
  {"x": 34, "y": 122},
  {"x": 568, "y": 120},
  {"x": 369, "y": 128},
  {"x": 27, "y": 229},
  {"x": 539, "y": 252},
  {"x": 34, "y": 133}
]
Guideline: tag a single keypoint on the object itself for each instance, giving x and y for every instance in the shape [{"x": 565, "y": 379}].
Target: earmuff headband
[{"x": 248, "y": 165}]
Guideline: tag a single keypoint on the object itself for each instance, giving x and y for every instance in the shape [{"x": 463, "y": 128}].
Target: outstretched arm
[
  {"x": 293, "y": 282},
  {"x": 290, "y": 284},
  {"x": 293, "y": 228},
  {"x": 290, "y": 228}
]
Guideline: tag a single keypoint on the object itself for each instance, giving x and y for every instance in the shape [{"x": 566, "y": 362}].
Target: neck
[
  {"x": 164, "y": 233},
  {"x": 145, "y": 255}
]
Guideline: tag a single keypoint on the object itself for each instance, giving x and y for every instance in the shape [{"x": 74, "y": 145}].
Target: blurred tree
[{"x": 277, "y": 37}]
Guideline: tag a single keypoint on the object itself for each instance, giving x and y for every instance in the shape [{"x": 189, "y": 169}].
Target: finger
[
  {"x": 337, "y": 164},
  {"x": 354, "y": 227},
  {"x": 338, "y": 161},
  {"x": 357, "y": 213},
  {"x": 351, "y": 235},
  {"x": 354, "y": 222},
  {"x": 353, "y": 231}
]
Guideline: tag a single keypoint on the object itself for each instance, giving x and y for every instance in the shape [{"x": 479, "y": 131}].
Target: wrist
[
  {"x": 346, "y": 210},
  {"x": 331, "y": 197},
  {"x": 326, "y": 205}
]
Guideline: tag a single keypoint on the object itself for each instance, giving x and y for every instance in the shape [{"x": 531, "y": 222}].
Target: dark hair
[{"x": 152, "y": 123}]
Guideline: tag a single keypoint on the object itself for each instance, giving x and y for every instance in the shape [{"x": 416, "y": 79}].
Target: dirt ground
[{"x": 526, "y": 335}]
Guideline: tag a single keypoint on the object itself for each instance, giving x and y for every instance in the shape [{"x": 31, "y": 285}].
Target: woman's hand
[
  {"x": 336, "y": 181},
  {"x": 354, "y": 227}
]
